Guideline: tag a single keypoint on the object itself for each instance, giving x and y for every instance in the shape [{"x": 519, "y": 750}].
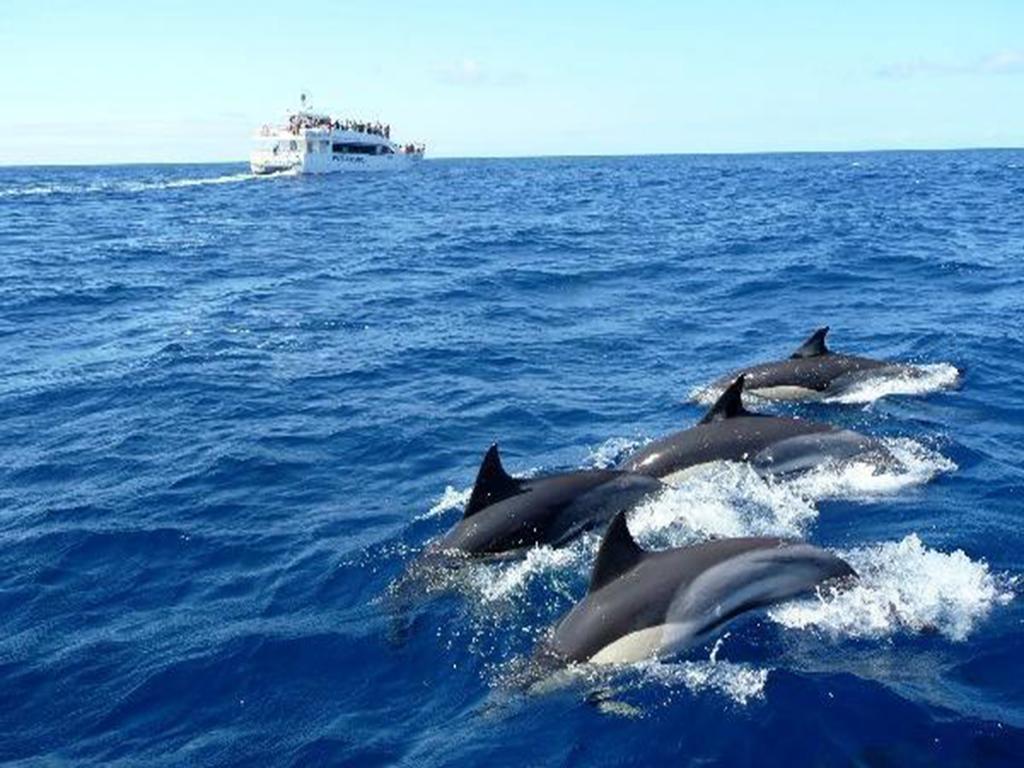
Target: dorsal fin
[
  {"x": 617, "y": 554},
  {"x": 729, "y": 404},
  {"x": 814, "y": 346},
  {"x": 493, "y": 483}
]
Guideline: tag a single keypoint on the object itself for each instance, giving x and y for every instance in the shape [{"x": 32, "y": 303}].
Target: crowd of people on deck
[
  {"x": 297, "y": 122},
  {"x": 304, "y": 120}
]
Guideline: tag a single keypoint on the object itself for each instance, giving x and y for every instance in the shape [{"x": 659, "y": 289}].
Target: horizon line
[{"x": 697, "y": 153}]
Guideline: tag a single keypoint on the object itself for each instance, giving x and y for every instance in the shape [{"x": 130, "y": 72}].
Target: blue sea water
[{"x": 234, "y": 409}]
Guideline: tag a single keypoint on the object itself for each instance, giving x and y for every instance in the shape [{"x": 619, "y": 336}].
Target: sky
[{"x": 102, "y": 81}]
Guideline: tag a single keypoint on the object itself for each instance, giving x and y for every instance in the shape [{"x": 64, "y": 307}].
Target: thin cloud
[
  {"x": 1003, "y": 63},
  {"x": 1000, "y": 63},
  {"x": 470, "y": 72}
]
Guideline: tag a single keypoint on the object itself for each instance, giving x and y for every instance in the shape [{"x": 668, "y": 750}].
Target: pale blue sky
[{"x": 105, "y": 81}]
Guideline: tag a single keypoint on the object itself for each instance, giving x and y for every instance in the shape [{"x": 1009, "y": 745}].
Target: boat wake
[
  {"x": 44, "y": 190},
  {"x": 233, "y": 178}
]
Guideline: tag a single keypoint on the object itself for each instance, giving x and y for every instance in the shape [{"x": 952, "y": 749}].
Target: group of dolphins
[{"x": 650, "y": 605}]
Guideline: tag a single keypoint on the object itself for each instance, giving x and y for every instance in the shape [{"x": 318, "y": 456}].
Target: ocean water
[{"x": 233, "y": 410}]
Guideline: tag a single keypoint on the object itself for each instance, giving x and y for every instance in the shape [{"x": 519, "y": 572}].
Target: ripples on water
[{"x": 232, "y": 410}]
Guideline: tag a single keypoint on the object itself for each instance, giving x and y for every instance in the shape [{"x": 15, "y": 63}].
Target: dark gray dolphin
[
  {"x": 644, "y": 605},
  {"x": 774, "y": 445},
  {"x": 506, "y": 513},
  {"x": 812, "y": 371}
]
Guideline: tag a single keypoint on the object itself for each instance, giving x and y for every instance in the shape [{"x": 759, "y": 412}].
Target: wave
[
  {"x": 609, "y": 687},
  {"x": 903, "y": 587}
]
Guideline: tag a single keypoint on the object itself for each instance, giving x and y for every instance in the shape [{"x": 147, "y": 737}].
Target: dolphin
[
  {"x": 812, "y": 371},
  {"x": 653, "y": 605},
  {"x": 773, "y": 445},
  {"x": 505, "y": 514}
]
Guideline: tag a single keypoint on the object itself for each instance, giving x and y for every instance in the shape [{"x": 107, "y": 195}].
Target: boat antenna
[{"x": 305, "y": 100}]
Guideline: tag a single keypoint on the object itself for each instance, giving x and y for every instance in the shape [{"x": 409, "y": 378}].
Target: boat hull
[{"x": 262, "y": 164}]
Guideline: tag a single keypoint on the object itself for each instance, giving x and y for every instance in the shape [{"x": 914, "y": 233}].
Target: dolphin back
[
  {"x": 752, "y": 579},
  {"x": 801, "y": 453}
]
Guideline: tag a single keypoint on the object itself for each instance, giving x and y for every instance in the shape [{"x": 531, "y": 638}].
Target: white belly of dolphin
[
  {"x": 786, "y": 392},
  {"x": 650, "y": 643},
  {"x": 682, "y": 475}
]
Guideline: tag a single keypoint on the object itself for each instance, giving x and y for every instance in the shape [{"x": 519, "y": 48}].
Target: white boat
[{"x": 317, "y": 143}]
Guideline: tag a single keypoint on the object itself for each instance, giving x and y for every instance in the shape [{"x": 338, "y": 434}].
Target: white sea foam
[
  {"x": 143, "y": 186},
  {"x": 741, "y": 683},
  {"x": 42, "y": 190},
  {"x": 721, "y": 499},
  {"x": 607, "y": 454},
  {"x": 731, "y": 499},
  {"x": 915, "y": 464},
  {"x": 609, "y": 686},
  {"x": 133, "y": 186},
  {"x": 504, "y": 581},
  {"x": 903, "y": 587},
  {"x": 452, "y": 498}
]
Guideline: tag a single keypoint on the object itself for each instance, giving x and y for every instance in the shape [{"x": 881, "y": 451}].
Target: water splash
[
  {"x": 904, "y": 587},
  {"x": 506, "y": 581},
  {"x": 721, "y": 499},
  {"x": 863, "y": 478},
  {"x": 741, "y": 683},
  {"x": 731, "y": 499},
  {"x": 612, "y": 450},
  {"x": 610, "y": 687},
  {"x": 452, "y": 498}
]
